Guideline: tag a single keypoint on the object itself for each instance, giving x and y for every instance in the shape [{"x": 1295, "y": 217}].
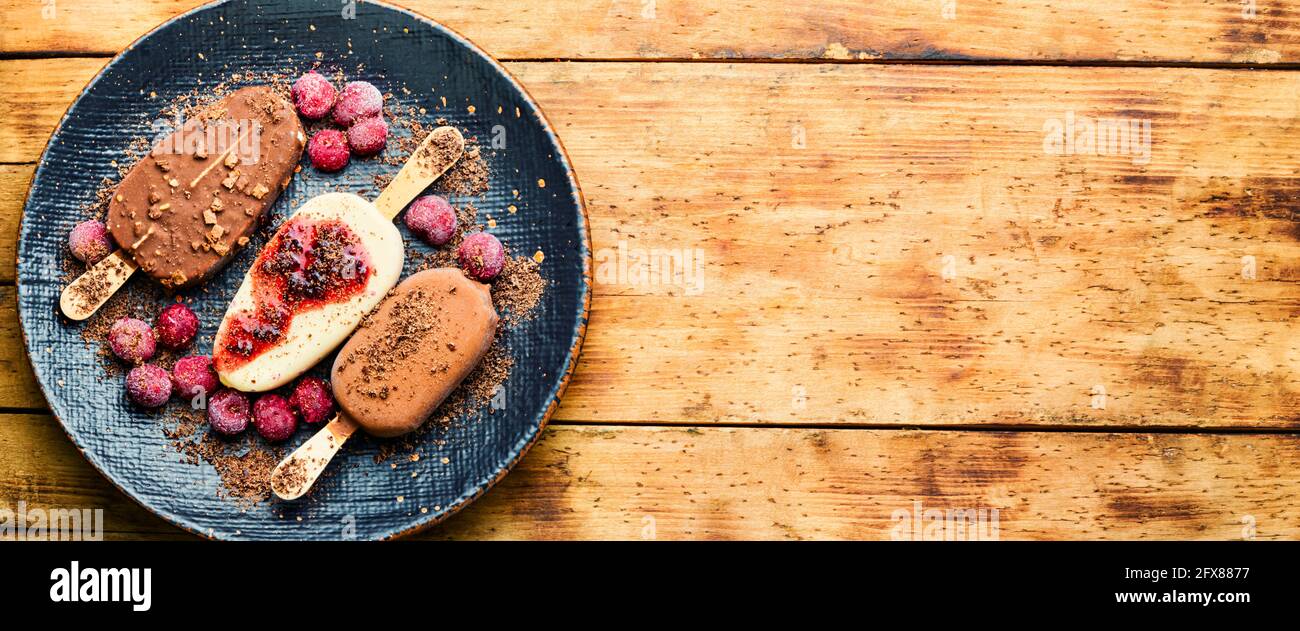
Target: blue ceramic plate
[{"x": 420, "y": 63}]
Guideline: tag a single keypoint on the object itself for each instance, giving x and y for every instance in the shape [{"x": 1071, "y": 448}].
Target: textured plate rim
[{"x": 580, "y": 326}]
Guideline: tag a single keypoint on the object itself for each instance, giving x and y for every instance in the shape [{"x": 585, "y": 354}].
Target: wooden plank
[
  {"x": 18, "y": 389},
  {"x": 1134, "y": 30},
  {"x": 667, "y": 483},
  {"x": 892, "y": 245},
  {"x": 621, "y": 483},
  {"x": 32, "y": 111},
  {"x": 822, "y": 210},
  {"x": 14, "y": 181}
]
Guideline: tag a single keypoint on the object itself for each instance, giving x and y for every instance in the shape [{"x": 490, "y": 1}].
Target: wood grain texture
[
  {"x": 15, "y": 179},
  {"x": 18, "y": 387},
  {"x": 820, "y": 203},
  {"x": 1076, "y": 30},
  {"x": 822, "y": 206},
  {"x": 669, "y": 483}
]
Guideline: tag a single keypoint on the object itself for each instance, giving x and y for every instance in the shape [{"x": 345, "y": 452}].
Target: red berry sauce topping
[{"x": 307, "y": 264}]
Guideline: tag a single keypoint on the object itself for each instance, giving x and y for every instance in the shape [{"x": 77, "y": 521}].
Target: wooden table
[{"x": 905, "y": 293}]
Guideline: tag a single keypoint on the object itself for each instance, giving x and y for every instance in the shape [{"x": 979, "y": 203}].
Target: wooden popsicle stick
[
  {"x": 85, "y": 295},
  {"x": 437, "y": 153},
  {"x": 296, "y": 474}
]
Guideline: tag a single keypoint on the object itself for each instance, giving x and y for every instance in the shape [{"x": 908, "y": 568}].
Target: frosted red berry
[
  {"x": 228, "y": 412},
  {"x": 432, "y": 218},
  {"x": 193, "y": 375},
  {"x": 90, "y": 242},
  {"x": 313, "y": 95},
  {"x": 273, "y": 418},
  {"x": 177, "y": 326},
  {"x": 148, "y": 386},
  {"x": 481, "y": 256},
  {"x": 358, "y": 100},
  {"x": 132, "y": 340},
  {"x": 328, "y": 150},
  {"x": 313, "y": 400},
  {"x": 368, "y": 136}
]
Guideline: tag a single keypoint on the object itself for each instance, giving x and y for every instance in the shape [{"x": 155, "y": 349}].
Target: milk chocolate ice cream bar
[
  {"x": 413, "y": 350},
  {"x": 186, "y": 208}
]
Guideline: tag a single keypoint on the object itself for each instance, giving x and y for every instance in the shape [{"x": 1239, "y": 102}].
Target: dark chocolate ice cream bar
[{"x": 186, "y": 208}]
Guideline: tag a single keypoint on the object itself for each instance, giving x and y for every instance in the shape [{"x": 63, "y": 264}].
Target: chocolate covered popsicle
[
  {"x": 186, "y": 208},
  {"x": 406, "y": 357},
  {"x": 413, "y": 350}
]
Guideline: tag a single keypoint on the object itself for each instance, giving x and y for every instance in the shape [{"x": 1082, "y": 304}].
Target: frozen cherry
[
  {"x": 368, "y": 136},
  {"x": 328, "y": 150},
  {"x": 273, "y": 418},
  {"x": 89, "y": 242},
  {"x": 132, "y": 340},
  {"x": 193, "y": 376},
  {"x": 358, "y": 100},
  {"x": 148, "y": 385},
  {"x": 228, "y": 412},
  {"x": 313, "y": 400},
  {"x": 432, "y": 218},
  {"x": 177, "y": 326},
  {"x": 313, "y": 95},
  {"x": 481, "y": 256}
]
